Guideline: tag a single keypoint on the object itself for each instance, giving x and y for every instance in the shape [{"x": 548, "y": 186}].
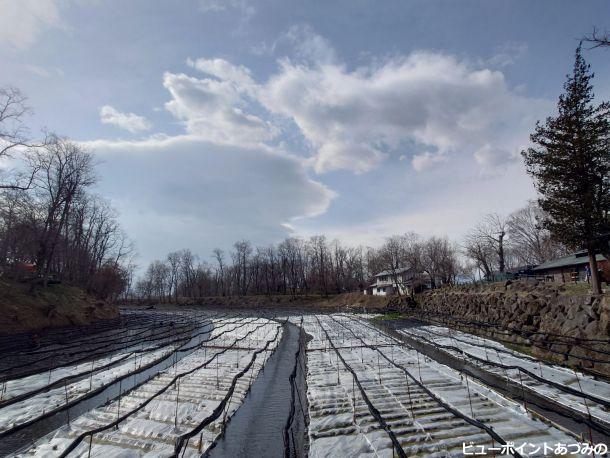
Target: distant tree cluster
[
  {"x": 49, "y": 219},
  {"x": 498, "y": 244},
  {"x": 295, "y": 266}
]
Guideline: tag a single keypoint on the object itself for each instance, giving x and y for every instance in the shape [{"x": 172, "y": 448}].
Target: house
[
  {"x": 571, "y": 268},
  {"x": 401, "y": 280}
]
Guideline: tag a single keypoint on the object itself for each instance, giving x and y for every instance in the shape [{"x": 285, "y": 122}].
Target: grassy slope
[{"x": 56, "y": 305}]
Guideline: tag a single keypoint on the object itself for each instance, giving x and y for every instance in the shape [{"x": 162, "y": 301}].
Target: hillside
[{"x": 56, "y": 305}]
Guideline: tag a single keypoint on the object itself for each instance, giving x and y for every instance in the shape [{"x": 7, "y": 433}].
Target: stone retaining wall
[{"x": 558, "y": 322}]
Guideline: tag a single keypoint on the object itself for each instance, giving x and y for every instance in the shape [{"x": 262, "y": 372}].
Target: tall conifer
[{"x": 570, "y": 165}]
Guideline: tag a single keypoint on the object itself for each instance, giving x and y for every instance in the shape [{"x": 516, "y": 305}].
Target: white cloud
[
  {"x": 218, "y": 108},
  {"x": 128, "y": 121},
  {"x": 430, "y": 105},
  {"x": 433, "y": 101},
  {"x": 193, "y": 193},
  {"x": 22, "y": 21},
  {"x": 423, "y": 161},
  {"x": 508, "y": 54},
  {"x": 310, "y": 46},
  {"x": 491, "y": 158},
  {"x": 223, "y": 70}
]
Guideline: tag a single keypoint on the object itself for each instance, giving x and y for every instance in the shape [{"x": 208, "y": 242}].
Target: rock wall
[{"x": 562, "y": 323}]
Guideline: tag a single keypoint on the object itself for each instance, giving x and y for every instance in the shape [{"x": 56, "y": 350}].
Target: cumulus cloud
[
  {"x": 434, "y": 101},
  {"x": 219, "y": 106},
  {"x": 209, "y": 194},
  {"x": 239, "y": 75},
  {"x": 22, "y": 21},
  {"x": 128, "y": 121},
  {"x": 430, "y": 105}
]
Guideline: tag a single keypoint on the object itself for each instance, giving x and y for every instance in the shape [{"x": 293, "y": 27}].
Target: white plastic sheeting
[
  {"x": 493, "y": 351},
  {"x": 152, "y": 430},
  {"x": 342, "y": 425}
]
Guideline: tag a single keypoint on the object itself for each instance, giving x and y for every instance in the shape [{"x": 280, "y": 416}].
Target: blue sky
[{"x": 220, "y": 120}]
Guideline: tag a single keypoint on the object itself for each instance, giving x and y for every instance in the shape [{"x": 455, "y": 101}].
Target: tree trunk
[
  {"x": 595, "y": 283},
  {"x": 501, "y": 252}
]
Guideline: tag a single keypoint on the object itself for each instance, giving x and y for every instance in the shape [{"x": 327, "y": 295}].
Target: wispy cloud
[
  {"x": 22, "y": 21},
  {"x": 508, "y": 54},
  {"x": 128, "y": 121},
  {"x": 244, "y": 7}
]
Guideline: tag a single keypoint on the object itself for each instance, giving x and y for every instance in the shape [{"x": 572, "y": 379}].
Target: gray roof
[
  {"x": 393, "y": 272},
  {"x": 576, "y": 259}
]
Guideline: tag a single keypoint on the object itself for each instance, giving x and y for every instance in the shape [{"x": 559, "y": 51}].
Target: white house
[{"x": 390, "y": 282}]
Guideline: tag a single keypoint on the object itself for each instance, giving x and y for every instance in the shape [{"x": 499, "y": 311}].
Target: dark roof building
[{"x": 570, "y": 268}]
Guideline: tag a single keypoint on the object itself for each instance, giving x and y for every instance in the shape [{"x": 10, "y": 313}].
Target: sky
[{"x": 214, "y": 121}]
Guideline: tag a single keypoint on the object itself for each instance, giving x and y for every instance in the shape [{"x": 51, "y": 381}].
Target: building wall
[
  {"x": 564, "y": 275},
  {"x": 389, "y": 289}
]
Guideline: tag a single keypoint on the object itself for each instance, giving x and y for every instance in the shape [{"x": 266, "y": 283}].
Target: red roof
[{"x": 30, "y": 267}]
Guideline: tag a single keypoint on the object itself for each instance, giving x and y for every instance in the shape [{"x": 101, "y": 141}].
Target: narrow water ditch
[{"x": 257, "y": 427}]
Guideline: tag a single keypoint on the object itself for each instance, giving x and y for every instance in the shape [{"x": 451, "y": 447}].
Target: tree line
[
  {"x": 298, "y": 266},
  {"x": 295, "y": 266},
  {"x": 52, "y": 227}
]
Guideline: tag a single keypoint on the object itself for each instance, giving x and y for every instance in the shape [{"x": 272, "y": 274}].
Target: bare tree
[
  {"x": 65, "y": 170},
  {"x": 13, "y": 133},
  {"x": 439, "y": 260},
  {"x": 188, "y": 272},
  {"x": 597, "y": 39},
  {"x": 47, "y": 216},
  {"x": 18, "y": 227},
  {"x": 480, "y": 251},
  {"x": 531, "y": 242},
  {"x": 158, "y": 275},
  {"x": 490, "y": 232},
  {"x": 241, "y": 257},
  {"x": 13, "y": 109},
  {"x": 319, "y": 254},
  {"x": 219, "y": 257},
  {"x": 173, "y": 262}
]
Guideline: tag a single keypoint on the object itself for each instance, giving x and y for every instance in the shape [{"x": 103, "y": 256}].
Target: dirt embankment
[
  {"x": 561, "y": 322},
  {"x": 56, "y": 305},
  {"x": 349, "y": 301}
]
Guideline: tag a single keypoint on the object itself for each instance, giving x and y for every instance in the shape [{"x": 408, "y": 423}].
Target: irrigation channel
[{"x": 204, "y": 382}]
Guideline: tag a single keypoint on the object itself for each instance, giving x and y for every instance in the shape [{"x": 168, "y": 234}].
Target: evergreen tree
[{"x": 570, "y": 165}]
